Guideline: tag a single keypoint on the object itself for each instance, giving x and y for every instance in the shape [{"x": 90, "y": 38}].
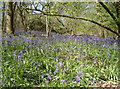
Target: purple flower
[
  {"x": 95, "y": 85},
  {"x": 20, "y": 57},
  {"x": 15, "y": 57},
  {"x": 108, "y": 53},
  {"x": 27, "y": 40},
  {"x": 41, "y": 59},
  {"x": 68, "y": 50},
  {"x": 75, "y": 47},
  {"x": 31, "y": 45},
  {"x": 77, "y": 79},
  {"x": 23, "y": 51},
  {"x": 3, "y": 82},
  {"x": 73, "y": 86},
  {"x": 56, "y": 49},
  {"x": 115, "y": 44},
  {"x": 49, "y": 77},
  {"x": 56, "y": 60},
  {"x": 80, "y": 73},
  {"x": 60, "y": 64},
  {"x": 104, "y": 45},
  {"x": 101, "y": 51},
  {"x": 29, "y": 76},
  {"x": 56, "y": 71},
  {"x": 63, "y": 81},
  {"x": 47, "y": 81},
  {"x": 19, "y": 65},
  {"x": 42, "y": 75},
  {"x": 91, "y": 41}
]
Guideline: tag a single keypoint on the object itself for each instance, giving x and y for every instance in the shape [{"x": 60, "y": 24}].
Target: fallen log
[{"x": 40, "y": 35}]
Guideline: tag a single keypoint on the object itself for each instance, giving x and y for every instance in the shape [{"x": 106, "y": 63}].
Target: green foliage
[
  {"x": 36, "y": 23},
  {"x": 58, "y": 62}
]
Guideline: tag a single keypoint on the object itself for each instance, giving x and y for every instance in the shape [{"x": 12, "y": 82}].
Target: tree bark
[
  {"x": 3, "y": 17},
  {"x": 47, "y": 28},
  {"x": 10, "y": 18},
  {"x": 118, "y": 15},
  {"x": 48, "y": 31},
  {"x": 23, "y": 17}
]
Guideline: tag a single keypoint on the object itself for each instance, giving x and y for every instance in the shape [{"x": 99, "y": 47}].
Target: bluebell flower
[
  {"x": 57, "y": 60},
  {"x": 19, "y": 65},
  {"x": 95, "y": 85},
  {"x": 105, "y": 45},
  {"x": 56, "y": 71},
  {"x": 101, "y": 51},
  {"x": 3, "y": 83},
  {"x": 60, "y": 64},
  {"x": 42, "y": 75},
  {"x": 77, "y": 79},
  {"x": 47, "y": 81},
  {"x": 41, "y": 59},
  {"x": 109, "y": 54},
  {"x": 49, "y": 77},
  {"x": 72, "y": 86},
  {"x": 15, "y": 57},
  {"x": 31, "y": 45},
  {"x": 23, "y": 51},
  {"x": 115, "y": 44},
  {"x": 80, "y": 73},
  {"x": 20, "y": 57},
  {"x": 29, "y": 76},
  {"x": 68, "y": 50},
  {"x": 75, "y": 47},
  {"x": 63, "y": 81},
  {"x": 56, "y": 49}
]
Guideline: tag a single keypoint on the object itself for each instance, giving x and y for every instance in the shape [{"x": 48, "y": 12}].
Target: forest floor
[{"x": 60, "y": 61}]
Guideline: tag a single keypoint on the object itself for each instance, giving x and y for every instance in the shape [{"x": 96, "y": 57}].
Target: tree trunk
[
  {"x": 23, "y": 17},
  {"x": 47, "y": 28},
  {"x": 48, "y": 31},
  {"x": 118, "y": 15},
  {"x": 3, "y": 17},
  {"x": 10, "y": 18}
]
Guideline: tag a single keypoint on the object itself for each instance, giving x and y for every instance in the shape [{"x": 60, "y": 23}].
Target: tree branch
[
  {"x": 106, "y": 8},
  {"x": 85, "y": 19}
]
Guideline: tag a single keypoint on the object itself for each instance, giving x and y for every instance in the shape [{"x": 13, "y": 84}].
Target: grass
[{"x": 58, "y": 61}]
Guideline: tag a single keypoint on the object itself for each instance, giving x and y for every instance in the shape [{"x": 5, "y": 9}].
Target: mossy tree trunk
[
  {"x": 22, "y": 15},
  {"x": 10, "y": 18},
  {"x": 117, "y": 5},
  {"x": 48, "y": 30},
  {"x": 3, "y": 17}
]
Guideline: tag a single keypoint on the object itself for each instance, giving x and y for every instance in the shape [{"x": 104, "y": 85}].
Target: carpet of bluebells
[{"x": 58, "y": 61}]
